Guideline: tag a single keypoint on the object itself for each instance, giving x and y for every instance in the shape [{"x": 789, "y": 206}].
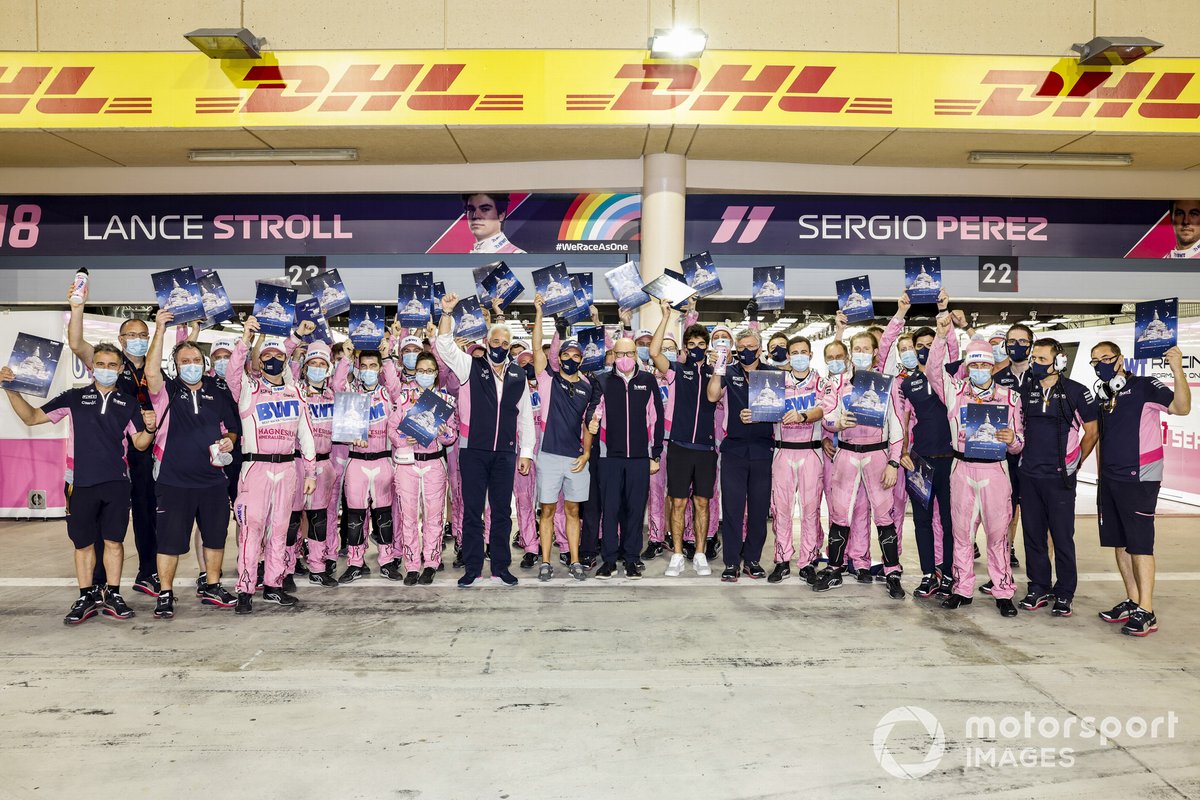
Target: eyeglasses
[
  {"x": 427, "y": 372},
  {"x": 1105, "y": 360},
  {"x": 1019, "y": 342},
  {"x": 135, "y": 335}
]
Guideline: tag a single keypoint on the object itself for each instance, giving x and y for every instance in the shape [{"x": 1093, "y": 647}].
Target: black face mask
[
  {"x": 530, "y": 372},
  {"x": 1018, "y": 352},
  {"x": 697, "y": 354},
  {"x": 922, "y": 355},
  {"x": 1039, "y": 371},
  {"x": 569, "y": 366},
  {"x": 272, "y": 366},
  {"x": 779, "y": 354}
]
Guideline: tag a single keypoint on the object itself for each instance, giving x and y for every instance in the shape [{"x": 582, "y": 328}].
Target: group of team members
[{"x": 666, "y": 428}]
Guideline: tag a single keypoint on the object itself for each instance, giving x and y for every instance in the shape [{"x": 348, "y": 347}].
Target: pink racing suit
[
  {"x": 980, "y": 493},
  {"x": 367, "y": 485},
  {"x": 275, "y": 427},
  {"x": 657, "y": 510},
  {"x": 797, "y": 472},
  {"x": 421, "y": 484},
  {"x": 313, "y": 509},
  {"x": 449, "y": 383},
  {"x": 853, "y": 470}
]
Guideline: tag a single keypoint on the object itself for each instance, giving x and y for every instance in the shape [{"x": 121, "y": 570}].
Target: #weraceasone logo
[{"x": 933, "y": 730}]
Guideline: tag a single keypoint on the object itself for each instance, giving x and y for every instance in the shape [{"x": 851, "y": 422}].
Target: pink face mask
[{"x": 625, "y": 364}]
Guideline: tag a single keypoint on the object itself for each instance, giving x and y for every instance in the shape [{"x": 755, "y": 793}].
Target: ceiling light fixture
[
  {"x": 1108, "y": 51},
  {"x": 226, "y": 42},
  {"x": 677, "y": 43},
  {"x": 1055, "y": 159},
  {"x": 263, "y": 154}
]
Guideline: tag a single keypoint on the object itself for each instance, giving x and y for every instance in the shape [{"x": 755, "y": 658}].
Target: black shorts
[
  {"x": 690, "y": 472},
  {"x": 96, "y": 513},
  {"x": 1127, "y": 515},
  {"x": 179, "y": 509}
]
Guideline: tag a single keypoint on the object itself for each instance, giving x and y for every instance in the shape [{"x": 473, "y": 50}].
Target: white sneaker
[
  {"x": 675, "y": 568},
  {"x": 700, "y": 564}
]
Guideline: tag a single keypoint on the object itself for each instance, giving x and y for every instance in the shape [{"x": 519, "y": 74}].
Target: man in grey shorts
[{"x": 567, "y": 398}]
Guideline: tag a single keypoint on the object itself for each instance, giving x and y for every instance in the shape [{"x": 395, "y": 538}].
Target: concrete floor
[{"x": 662, "y": 688}]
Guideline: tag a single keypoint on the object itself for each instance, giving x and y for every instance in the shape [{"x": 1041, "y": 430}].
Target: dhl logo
[
  {"x": 358, "y": 87},
  {"x": 786, "y": 87},
  {"x": 1027, "y": 93},
  {"x": 59, "y": 91}
]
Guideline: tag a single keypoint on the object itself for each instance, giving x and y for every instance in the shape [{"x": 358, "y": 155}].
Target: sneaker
[
  {"x": 458, "y": 558},
  {"x": 675, "y": 568},
  {"x": 201, "y": 582},
  {"x": 165, "y": 607},
  {"x": 1006, "y": 607},
  {"x": 530, "y": 560},
  {"x": 216, "y": 596},
  {"x": 577, "y": 571},
  {"x": 545, "y": 572},
  {"x": 589, "y": 562},
  {"x": 258, "y": 583},
  {"x": 353, "y": 573},
  {"x": 1061, "y": 608},
  {"x": 245, "y": 603},
  {"x": 808, "y": 574},
  {"x": 506, "y": 577},
  {"x": 712, "y": 547},
  {"x": 956, "y": 600},
  {"x": 1120, "y": 612},
  {"x": 1140, "y": 623},
  {"x": 864, "y": 576},
  {"x": 1032, "y": 602},
  {"x": 411, "y": 578},
  {"x": 633, "y": 572},
  {"x": 426, "y": 576},
  {"x": 1012, "y": 558},
  {"x": 986, "y": 588},
  {"x": 730, "y": 575},
  {"x": 945, "y": 586},
  {"x": 301, "y": 568},
  {"x": 148, "y": 585},
  {"x": 927, "y": 587},
  {"x": 447, "y": 532},
  {"x": 86, "y": 607},
  {"x": 564, "y": 559},
  {"x": 467, "y": 581},
  {"x": 323, "y": 579},
  {"x": 828, "y": 578},
  {"x": 652, "y": 550},
  {"x": 516, "y": 540},
  {"x": 330, "y": 568},
  {"x": 976, "y": 546},
  {"x": 606, "y": 571},
  {"x": 289, "y": 583},
  {"x": 391, "y": 571},
  {"x": 278, "y": 596},
  {"x": 782, "y": 570},
  {"x": 754, "y": 570},
  {"x": 689, "y": 550},
  {"x": 700, "y": 564},
  {"x": 115, "y": 606},
  {"x": 895, "y": 590}
]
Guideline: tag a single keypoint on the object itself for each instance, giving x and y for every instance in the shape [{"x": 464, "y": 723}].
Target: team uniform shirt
[
  {"x": 1053, "y": 420},
  {"x": 399, "y": 439},
  {"x": 693, "y": 415},
  {"x": 929, "y": 433},
  {"x": 631, "y": 421},
  {"x": 494, "y": 410},
  {"x": 753, "y": 440},
  {"x": 1131, "y": 437},
  {"x": 1011, "y": 379},
  {"x": 320, "y": 415},
  {"x": 958, "y": 394},
  {"x": 188, "y": 423},
  {"x": 383, "y": 400},
  {"x": 274, "y": 418},
  {"x": 560, "y": 407},
  {"x": 840, "y": 387},
  {"x": 131, "y": 381},
  {"x": 495, "y": 244},
  {"x": 99, "y": 422},
  {"x": 800, "y": 395},
  {"x": 1192, "y": 251}
]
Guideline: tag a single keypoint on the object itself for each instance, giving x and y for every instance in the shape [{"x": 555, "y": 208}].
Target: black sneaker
[
  {"x": 712, "y": 547},
  {"x": 808, "y": 574},
  {"x": 976, "y": 546},
  {"x": 410, "y": 579},
  {"x": 945, "y": 586},
  {"x": 956, "y": 600},
  {"x": 754, "y": 570},
  {"x": 516, "y": 540},
  {"x": 864, "y": 576},
  {"x": 216, "y": 596},
  {"x": 289, "y": 583},
  {"x": 589, "y": 562},
  {"x": 1032, "y": 602},
  {"x": 258, "y": 582},
  {"x": 1140, "y": 623},
  {"x": 391, "y": 571},
  {"x": 564, "y": 559},
  {"x": 689, "y": 550},
  {"x": 447, "y": 532},
  {"x": 353, "y": 573},
  {"x": 606, "y": 571},
  {"x": 325, "y": 579},
  {"x": 730, "y": 575},
  {"x": 301, "y": 567},
  {"x": 426, "y": 577},
  {"x": 86, "y": 607},
  {"x": 1120, "y": 612},
  {"x": 1006, "y": 607},
  {"x": 330, "y": 567},
  {"x": 278, "y": 596},
  {"x": 987, "y": 588},
  {"x": 927, "y": 587},
  {"x": 165, "y": 607},
  {"x": 467, "y": 581},
  {"x": 530, "y": 560},
  {"x": 782, "y": 570},
  {"x": 245, "y": 603},
  {"x": 148, "y": 585},
  {"x": 458, "y": 558},
  {"x": 115, "y": 606},
  {"x": 828, "y": 578},
  {"x": 652, "y": 550},
  {"x": 201, "y": 582},
  {"x": 507, "y": 578},
  {"x": 895, "y": 590},
  {"x": 633, "y": 572},
  {"x": 1061, "y": 608},
  {"x": 1012, "y": 558}
]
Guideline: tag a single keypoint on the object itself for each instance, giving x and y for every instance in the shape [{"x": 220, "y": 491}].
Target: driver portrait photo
[
  {"x": 1185, "y": 219},
  {"x": 485, "y": 214}
]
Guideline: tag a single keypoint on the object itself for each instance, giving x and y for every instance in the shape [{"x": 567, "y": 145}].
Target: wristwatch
[{"x": 893, "y": 464}]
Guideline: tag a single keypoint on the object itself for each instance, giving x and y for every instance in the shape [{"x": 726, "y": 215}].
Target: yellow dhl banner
[{"x": 595, "y": 87}]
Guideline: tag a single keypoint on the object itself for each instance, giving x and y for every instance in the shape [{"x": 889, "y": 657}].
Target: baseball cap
[
  {"x": 644, "y": 334},
  {"x": 978, "y": 351},
  {"x": 569, "y": 344},
  {"x": 222, "y": 344},
  {"x": 272, "y": 344},
  {"x": 317, "y": 350},
  {"x": 411, "y": 341}
]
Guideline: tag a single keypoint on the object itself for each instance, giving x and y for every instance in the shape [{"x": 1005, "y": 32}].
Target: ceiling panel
[
  {"x": 427, "y": 145},
  {"x": 34, "y": 148},
  {"x": 906, "y": 148},
  {"x": 791, "y": 145},
  {"x": 1150, "y": 151},
  {"x": 549, "y": 143},
  {"x": 156, "y": 148}
]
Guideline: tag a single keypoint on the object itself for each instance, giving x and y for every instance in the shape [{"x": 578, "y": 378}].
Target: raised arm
[
  {"x": 153, "y": 369},
  {"x": 934, "y": 370},
  {"x": 454, "y": 358},
  {"x": 28, "y": 414},
  {"x": 237, "y": 378},
  {"x": 1181, "y": 404},
  {"x": 656, "y": 357},
  {"x": 82, "y": 350},
  {"x": 539, "y": 358}
]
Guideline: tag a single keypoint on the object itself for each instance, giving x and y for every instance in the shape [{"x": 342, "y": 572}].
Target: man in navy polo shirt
[
  {"x": 1131, "y": 471},
  {"x": 1013, "y": 373},
  {"x": 98, "y": 499}
]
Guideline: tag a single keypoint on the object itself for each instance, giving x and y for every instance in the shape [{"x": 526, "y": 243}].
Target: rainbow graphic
[{"x": 602, "y": 217}]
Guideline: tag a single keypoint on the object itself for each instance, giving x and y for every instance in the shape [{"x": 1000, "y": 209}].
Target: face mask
[
  {"x": 425, "y": 380},
  {"x": 643, "y": 353},
  {"x": 368, "y": 376},
  {"x": 191, "y": 373},
  {"x": 569, "y": 366},
  {"x": 105, "y": 377},
  {"x": 779, "y": 354},
  {"x": 624, "y": 364},
  {"x": 1018, "y": 352},
  {"x": 800, "y": 362},
  {"x": 747, "y": 356},
  {"x": 922, "y": 355},
  {"x": 220, "y": 365},
  {"x": 409, "y": 360},
  {"x": 137, "y": 347},
  {"x": 317, "y": 374},
  {"x": 980, "y": 377},
  {"x": 272, "y": 366},
  {"x": 836, "y": 367},
  {"x": 670, "y": 355},
  {"x": 909, "y": 360},
  {"x": 1106, "y": 372},
  {"x": 1039, "y": 371},
  {"x": 862, "y": 360},
  {"x": 530, "y": 373},
  {"x": 498, "y": 355},
  {"x": 696, "y": 355},
  {"x": 999, "y": 353}
]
